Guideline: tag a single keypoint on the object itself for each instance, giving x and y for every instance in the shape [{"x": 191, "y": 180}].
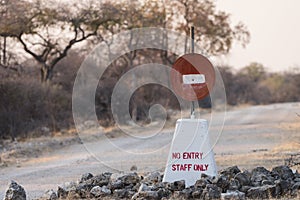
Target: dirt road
[{"x": 257, "y": 135}]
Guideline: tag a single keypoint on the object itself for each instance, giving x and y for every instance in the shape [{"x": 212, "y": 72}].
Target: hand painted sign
[
  {"x": 191, "y": 153},
  {"x": 195, "y": 79}
]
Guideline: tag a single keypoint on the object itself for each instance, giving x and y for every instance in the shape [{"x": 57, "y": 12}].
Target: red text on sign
[
  {"x": 200, "y": 167},
  {"x": 181, "y": 167},
  {"x": 192, "y": 155},
  {"x": 175, "y": 155},
  {"x": 189, "y": 167}
]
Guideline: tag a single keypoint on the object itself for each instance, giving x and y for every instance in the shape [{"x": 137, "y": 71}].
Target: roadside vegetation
[{"x": 42, "y": 45}]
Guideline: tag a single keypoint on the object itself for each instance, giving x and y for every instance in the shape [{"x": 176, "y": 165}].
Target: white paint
[
  {"x": 193, "y": 78},
  {"x": 191, "y": 135}
]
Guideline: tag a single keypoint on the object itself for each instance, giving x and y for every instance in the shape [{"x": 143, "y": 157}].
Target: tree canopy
[{"x": 47, "y": 31}]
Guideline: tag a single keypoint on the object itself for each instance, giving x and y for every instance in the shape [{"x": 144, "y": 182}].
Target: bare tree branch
[
  {"x": 69, "y": 46},
  {"x": 34, "y": 55}
]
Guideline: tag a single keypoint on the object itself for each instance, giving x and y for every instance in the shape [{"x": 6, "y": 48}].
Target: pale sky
[{"x": 274, "y": 26}]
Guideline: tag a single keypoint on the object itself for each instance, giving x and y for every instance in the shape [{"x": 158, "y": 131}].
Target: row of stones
[{"x": 231, "y": 183}]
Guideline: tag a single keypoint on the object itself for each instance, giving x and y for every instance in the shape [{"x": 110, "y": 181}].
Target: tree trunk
[
  {"x": 3, "y": 57},
  {"x": 46, "y": 73},
  {"x": 133, "y": 85},
  {"x": 0, "y": 52},
  {"x": 4, "y": 51}
]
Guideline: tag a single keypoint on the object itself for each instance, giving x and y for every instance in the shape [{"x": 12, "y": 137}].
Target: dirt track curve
[{"x": 257, "y": 135}]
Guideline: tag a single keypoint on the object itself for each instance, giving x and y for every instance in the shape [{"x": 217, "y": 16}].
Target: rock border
[{"x": 230, "y": 184}]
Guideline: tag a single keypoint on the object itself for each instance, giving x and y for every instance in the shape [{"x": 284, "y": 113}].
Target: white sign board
[
  {"x": 193, "y": 78},
  {"x": 191, "y": 153}
]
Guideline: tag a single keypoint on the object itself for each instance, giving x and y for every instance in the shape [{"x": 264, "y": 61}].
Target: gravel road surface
[{"x": 251, "y": 136}]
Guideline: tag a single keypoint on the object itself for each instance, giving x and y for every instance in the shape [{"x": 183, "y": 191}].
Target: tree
[
  {"x": 11, "y": 22},
  {"x": 255, "y": 71},
  {"x": 137, "y": 14},
  {"x": 48, "y": 33},
  {"x": 214, "y": 32},
  {"x": 229, "y": 83},
  {"x": 176, "y": 15}
]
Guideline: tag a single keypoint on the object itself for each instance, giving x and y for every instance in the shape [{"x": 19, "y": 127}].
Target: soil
[{"x": 252, "y": 136}]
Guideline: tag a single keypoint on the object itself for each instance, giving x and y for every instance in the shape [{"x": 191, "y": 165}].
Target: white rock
[
  {"x": 96, "y": 191},
  {"x": 105, "y": 190},
  {"x": 144, "y": 187},
  {"x": 233, "y": 195}
]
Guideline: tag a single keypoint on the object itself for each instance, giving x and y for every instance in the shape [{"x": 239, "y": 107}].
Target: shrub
[{"x": 26, "y": 106}]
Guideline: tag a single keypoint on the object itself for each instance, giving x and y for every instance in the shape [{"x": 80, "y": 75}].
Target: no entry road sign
[{"x": 196, "y": 76}]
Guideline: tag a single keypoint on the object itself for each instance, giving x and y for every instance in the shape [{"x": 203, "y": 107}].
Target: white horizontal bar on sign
[{"x": 193, "y": 78}]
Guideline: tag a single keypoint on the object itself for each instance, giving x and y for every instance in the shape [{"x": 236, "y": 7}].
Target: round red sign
[{"x": 193, "y": 76}]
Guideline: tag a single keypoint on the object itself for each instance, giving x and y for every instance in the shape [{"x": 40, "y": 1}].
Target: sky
[{"x": 274, "y": 26}]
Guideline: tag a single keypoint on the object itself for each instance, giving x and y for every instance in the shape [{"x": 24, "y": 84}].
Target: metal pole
[{"x": 192, "y": 35}]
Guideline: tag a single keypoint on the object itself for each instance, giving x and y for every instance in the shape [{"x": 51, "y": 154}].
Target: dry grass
[
  {"x": 268, "y": 159},
  {"x": 287, "y": 147}
]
